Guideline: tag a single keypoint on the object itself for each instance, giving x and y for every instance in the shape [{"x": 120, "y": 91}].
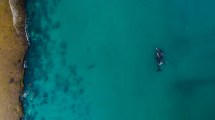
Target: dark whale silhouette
[{"x": 159, "y": 58}]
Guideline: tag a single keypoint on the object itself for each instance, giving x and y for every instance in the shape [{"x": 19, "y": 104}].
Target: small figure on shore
[{"x": 159, "y": 59}]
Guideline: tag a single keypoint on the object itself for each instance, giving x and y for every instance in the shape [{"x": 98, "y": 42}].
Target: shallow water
[{"x": 94, "y": 60}]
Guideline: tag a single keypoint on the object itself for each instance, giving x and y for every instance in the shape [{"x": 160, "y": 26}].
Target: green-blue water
[{"x": 94, "y": 60}]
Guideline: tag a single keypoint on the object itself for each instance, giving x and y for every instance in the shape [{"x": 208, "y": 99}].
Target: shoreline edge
[{"x": 19, "y": 22}]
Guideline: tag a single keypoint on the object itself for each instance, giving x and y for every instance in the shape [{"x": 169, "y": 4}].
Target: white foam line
[
  {"x": 17, "y": 18},
  {"x": 26, "y": 32},
  {"x": 15, "y": 13}
]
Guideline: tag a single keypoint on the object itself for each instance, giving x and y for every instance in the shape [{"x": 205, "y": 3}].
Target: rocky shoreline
[{"x": 13, "y": 46}]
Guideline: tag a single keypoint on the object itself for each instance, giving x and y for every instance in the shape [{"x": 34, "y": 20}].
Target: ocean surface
[{"x": 95, "y": 60}]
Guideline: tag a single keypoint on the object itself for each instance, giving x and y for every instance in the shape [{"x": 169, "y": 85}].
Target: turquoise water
[{"x": 94, "y": 60}]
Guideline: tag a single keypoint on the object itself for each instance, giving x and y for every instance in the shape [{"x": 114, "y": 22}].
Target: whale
[{"x": 159, "y": 58}]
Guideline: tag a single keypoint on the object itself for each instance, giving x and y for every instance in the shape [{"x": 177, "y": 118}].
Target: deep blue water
[{"x": 94, "y": 60}]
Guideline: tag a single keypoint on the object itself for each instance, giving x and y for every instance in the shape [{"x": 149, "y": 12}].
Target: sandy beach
[{"x": 12, "y": 51}]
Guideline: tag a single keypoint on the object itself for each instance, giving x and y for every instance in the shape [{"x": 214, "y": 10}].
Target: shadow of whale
[{"x": 189, "y": 86}]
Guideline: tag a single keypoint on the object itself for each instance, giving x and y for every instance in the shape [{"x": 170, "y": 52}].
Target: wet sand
[{"x": 12, "y": 50}]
